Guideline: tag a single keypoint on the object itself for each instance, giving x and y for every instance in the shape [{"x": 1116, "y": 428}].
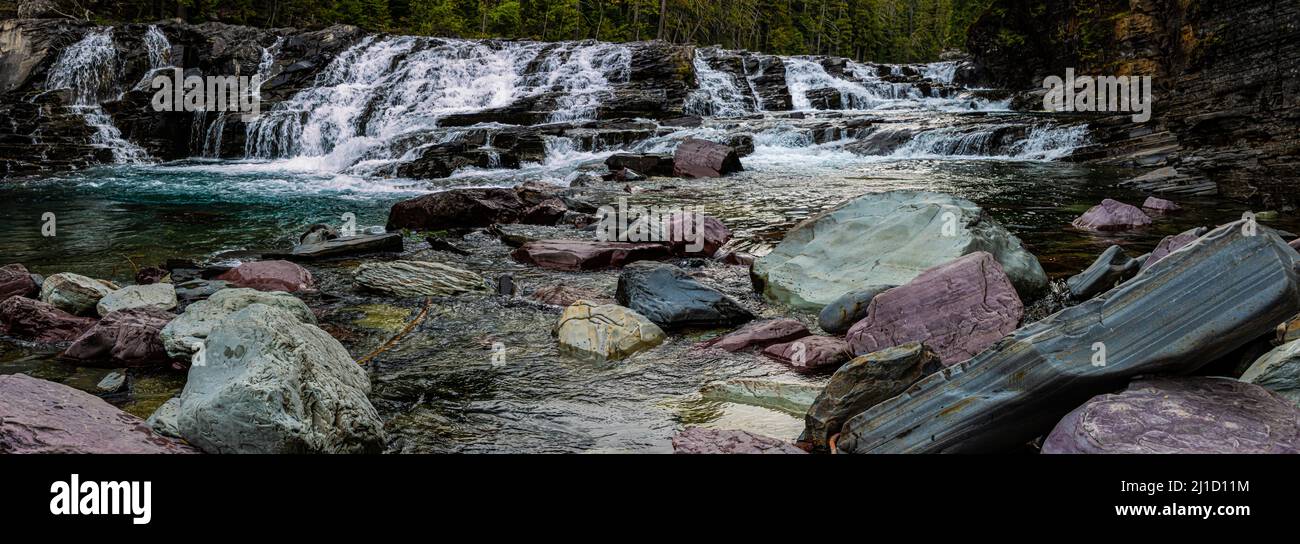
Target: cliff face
[{"x": 1226, "y": 76}]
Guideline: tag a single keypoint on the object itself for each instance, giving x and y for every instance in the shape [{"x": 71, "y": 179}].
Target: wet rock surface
[
  {"x": 851, "y": 307},
  {"x": 1111, "y": 267},
  {"x": 1112, "y": 215},
  {"x": 587, "y": 255},
  {"x": 759, "y": 334},
  {"x": 672, "y": 299},
  {"x": 130, "y": 338},
  {"x": 270, "y": 276},
  {"x": 15, "y": 280},
  {"x": 74, "y": 293},
  {"x": 418, "y": 278},
  {"x": 37, "y": 321},
  {"x": 183, "y": 335},
  {"x": 864, "y": 382},
  {"x": 605, "y": 332},
  {"x": 1278, "y": 371},
  {"x": 811, "y": 353}
]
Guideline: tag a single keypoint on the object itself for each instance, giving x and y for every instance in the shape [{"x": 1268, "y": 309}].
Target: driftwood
[{"x": 1199, "y": 303}]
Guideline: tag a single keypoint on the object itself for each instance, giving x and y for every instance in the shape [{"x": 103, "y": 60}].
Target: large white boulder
[{"x": 183, "y": 335}]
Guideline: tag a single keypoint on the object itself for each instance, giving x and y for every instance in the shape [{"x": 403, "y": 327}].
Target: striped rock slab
[{"x": 1195, "y": 305}]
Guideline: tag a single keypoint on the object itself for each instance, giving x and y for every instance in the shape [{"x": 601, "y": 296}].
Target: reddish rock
[
  {"x": 124, "y": 338},
  {"x": 695, "y": 234},
  {"x": 1111, "y": 215},
  {"x": 546, "y": 212},
  {"x": 270, "y": 276},
  {"x": 737, "y": 258},
  {"x": 957, "y": 309},
  {"x": 563, "y": 295},
  {"x": 1161, "y": 205},
  {"x": 15, "y": 280},
  {"x": 1180, "y": 415},
  {"x": 587, "y": 255},
  {"x": 1170, "y": 244},
  {"x": 811, "y": 352},
  {"x": 697, "y": 158},
  {"x": 31, "y": 319},
  {"x": 648, "y": 164},
  {"x": 759, "y": 334},
  {"x": 457, "y": 208},
  {"x": 149, "y": 275},
  {"x": 700, "y": 440},
  {"x": 39, "y": 416},
  {"x": 1295, "y": 244}
]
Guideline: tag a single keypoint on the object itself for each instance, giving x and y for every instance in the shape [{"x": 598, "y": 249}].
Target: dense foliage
[{"x": 879, "y": 30}]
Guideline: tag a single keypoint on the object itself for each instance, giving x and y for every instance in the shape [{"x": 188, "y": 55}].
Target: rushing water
[{"x": 315, "y": 157}]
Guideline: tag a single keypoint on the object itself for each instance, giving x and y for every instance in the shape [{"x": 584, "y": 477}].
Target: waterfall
[
  {"x": 718, "y": 95},
  {"x": 940, "y": 72},
  {"x": 89, "y": 69},
  {"x": 583, "y": 75},
  {"x": 1003, "y": 141}
]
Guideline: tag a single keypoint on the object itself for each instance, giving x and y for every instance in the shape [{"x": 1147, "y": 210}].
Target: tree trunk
[{"x": 663, "y": 18}]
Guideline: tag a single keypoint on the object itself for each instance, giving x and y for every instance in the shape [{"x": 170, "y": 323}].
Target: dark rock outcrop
[
  {"x": 697, "y": 158},
  {"x": 672, "y": 299},
  {"x": 15, "y": 280},
  {"x": 587, "y": 255},
  {"x": 1111, "y": 267},
  {"x": 843, "y": 312},
  {"x": 124, "y": 338},
  {"x": 862, "y": 383}
]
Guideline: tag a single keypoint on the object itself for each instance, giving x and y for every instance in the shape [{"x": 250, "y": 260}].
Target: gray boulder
[
  {"x": 672, "y": 299},
  {"x": 74, "y": 293},
  {"x": 1180, "y": 415},
  {"x": 164, "y": 420},
  {"x": 272, "y": 383},
  {"x": 1110, "y": 268},
  {"x": 1194, "y": 306},
  {"x": 183, "y": 335},
  {"x": 862, "y": 383},
  {"x": 886, "y": 239},
  {"x": 159, "y": 296},
  {"x": 851, "y": 307},
  {"x": 1278, "y": 371}
]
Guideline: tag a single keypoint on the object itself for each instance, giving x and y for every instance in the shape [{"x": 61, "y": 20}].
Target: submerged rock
[
  {"x": 851, "y": 307},
  {"x": 15, "y": 280},
  {"x": 159, "y": 296},
  {"x": 183, "y": 335},
  {"x": 759, "y": 334},
  {"x": 1170, "y": 244},
  {"x": 605, "y": 332},
  {"x": 270, "y": 276},
  {"x": 902, "y": 232},
  {"x": 563, "y": 295},
  {"x": 672, "y": 299},
  {"x": 418, "y": 278},
  {"x": 811, "y": 353},
  {"x": 1164, "y": 320},
  {"x": 587, "y": 255},
  {"x": 957, "y": 309},
  {"x": 30, "y": 319},
  {"x": 1111, "y": 215},
  {"x": 74, "y": 293},
  {"x": 1160, "y": 205},
  {"x": 862, "y": 383},
  {"x": 699, "y": 440},
  {"x": 793, "y": 398},
  {"x": 130, "y": 338},
  {"x": 1278, "y": 371},
  {"x": 695, "y": 158},
  {"x": 1180, "y": 415},
  {"x": 275, "y": 384},
  {"x": 39, "y": 416},
  {"x": 113, "y": 382},
  {"x": 1111, "y": 267}
]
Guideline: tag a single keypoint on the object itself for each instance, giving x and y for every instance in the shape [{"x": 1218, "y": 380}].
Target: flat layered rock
[
  {"x": 957, "y": 309},
  {"x": 792, "y": 398},
  {"x": 15, "y": 280},
  {"x": 759, "y": 334},
  {"x": 672, "y": 299},
  {"x": 587, "y": 255},
  {"x": 851, "y": 307},
  {"x": 605, "y": 332},
  {"x": 695, "y": 158},
  {"x": 349, "y": 245},
  {"x": 1180, "y": 415},
  {"x": 864, "y": 382},
  {"x": 1112, "y": 215},
  {"x": 158, "y": 296},
  {"x": 417, "y": 278},
  {"x": 811, "y": 353},
  {"x": 1194, "y": 306},
  {"x": 1111, "y": 267},
  {"x": 123, "y": 338},
  {"x": 36, "y": 321},
  {"x": 39, "y": 416},
  {"x": 886, "y": 239},
  {"x": 275, "y": 275},
  {"x": 74, "y": 293},
  {"x": 1278, "y": 371},
  {"x": 698, "y": 440}
]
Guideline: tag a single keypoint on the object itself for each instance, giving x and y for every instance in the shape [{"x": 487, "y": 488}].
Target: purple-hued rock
[
  {"x": 15, "y": 280},
  {"x": 1161, "y": 205},
  {"x": 36, "y": 321},
  {"x": 270, "y": 276},
  {"x": 587, "y": 255},
  {"x": 1180, "y": 415},
  {"x": 697, "y": 158},
  {"x": 547, "y": 212},
  {"x": 1295, "y": 244},
  {"x": 1111, "y": 215},
  {"x": 124, "y": 338},
  {"x": 810, "y": 353},
  {"x": 150, "y": 275},
  {"x": 695, "y": 234},
  {"x": 39, "y": 416},
  {"x": 957, "y": 309},
  {"x": 701, "y": 440},
  {"x": 759, "y": 334},
  {"x": 1170, "y": 244}
]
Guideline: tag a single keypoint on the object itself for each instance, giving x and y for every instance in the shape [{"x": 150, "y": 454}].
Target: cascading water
[
  {"x": 89, "y": 69},
  {"x": 718, "y": 94}
]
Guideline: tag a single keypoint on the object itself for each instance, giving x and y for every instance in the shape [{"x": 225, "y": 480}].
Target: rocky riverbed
[{"x": 881, "y": 254}]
